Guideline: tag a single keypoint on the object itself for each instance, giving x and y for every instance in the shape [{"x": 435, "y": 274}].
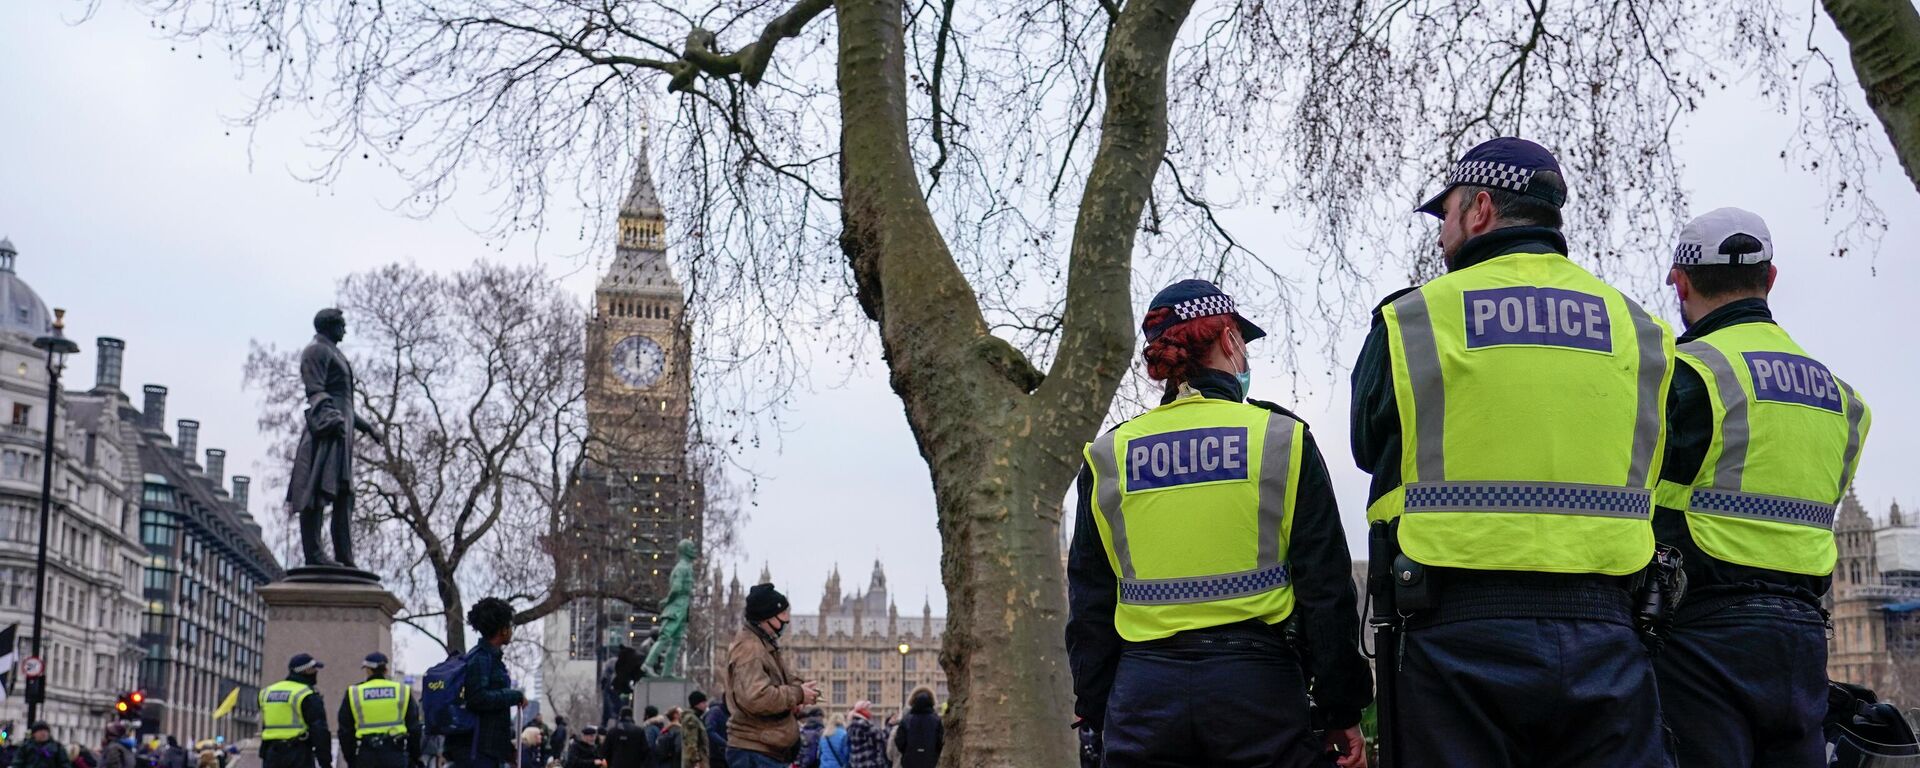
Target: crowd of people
[{"x": 119, "y": 747}]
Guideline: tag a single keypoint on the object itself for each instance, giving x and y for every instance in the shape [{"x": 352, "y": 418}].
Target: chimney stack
[
  {"x": 240, "y": 484},
  {"x": 106, "y": 373},
  {"x": 155, "y": 410},
  {"x": 217, "y": 467},
  {"x": 189, "y": 439}
]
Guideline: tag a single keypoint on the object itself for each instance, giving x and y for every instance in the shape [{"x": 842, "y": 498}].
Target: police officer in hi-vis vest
[
  {"x": 293, "y": 719},
  {"x": 1511, "y": 413},
  {"x": 1205, "y": 527},
  {"x": 1761, "y": 444},
  {"x": 379, "y": 722}
]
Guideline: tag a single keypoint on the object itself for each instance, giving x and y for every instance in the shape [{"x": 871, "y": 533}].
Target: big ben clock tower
[{"x": 634, "y": 498}]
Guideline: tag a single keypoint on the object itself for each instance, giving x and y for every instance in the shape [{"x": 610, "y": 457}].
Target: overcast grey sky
[{"x": 135, "y": 210}]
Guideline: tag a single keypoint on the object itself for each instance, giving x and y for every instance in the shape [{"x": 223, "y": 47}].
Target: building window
[
  {"x": 840, "y": 692},
  {"x": 840, "y": 661},
  {"x": 22, "y": 414},
  {"x": 873, "y": 690},
  {"x": 802, "y": 659},
  {"x": 911, "y": 663},
  {"x": 873, "y": 660}
]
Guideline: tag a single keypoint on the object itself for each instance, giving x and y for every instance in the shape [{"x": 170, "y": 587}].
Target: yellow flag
[{"x": 227, "y": 704}]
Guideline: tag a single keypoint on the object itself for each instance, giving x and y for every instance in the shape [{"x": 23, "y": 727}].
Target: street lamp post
[
  {"x": 904, "y": 649},
  {"x": 58, "y": 346}
]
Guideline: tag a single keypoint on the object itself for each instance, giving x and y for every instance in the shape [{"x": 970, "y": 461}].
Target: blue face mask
[{"x": 1246, "y": 382}]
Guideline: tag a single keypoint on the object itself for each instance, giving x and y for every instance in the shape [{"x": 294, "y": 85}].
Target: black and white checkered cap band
[
  {"x": 1687, "y": 253},
  {"x": 1487, "y": 173},
  {"x": 1205, "y": 306}
]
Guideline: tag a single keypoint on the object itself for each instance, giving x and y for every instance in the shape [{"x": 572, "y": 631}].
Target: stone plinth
[
  {"x": 339, "y": 624},
  {"x": 663, "y": 692}
]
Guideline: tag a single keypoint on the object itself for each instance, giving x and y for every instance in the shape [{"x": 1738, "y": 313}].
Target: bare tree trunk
[
  {"x": 1884, "y": 39},
  {"x": 1001, "y": 443}
]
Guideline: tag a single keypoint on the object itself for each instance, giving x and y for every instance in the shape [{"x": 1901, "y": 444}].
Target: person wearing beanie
[
  {"x": 866, "y": 743},
  {"x": 625, "y": 744},
  {"x": 116, "y": 750},
  {"x": 41, "y": 750},
  {"x": 762, "y": 691},
  {"x": 293, "y": 719},
  {"x": 695, "y": 749}
]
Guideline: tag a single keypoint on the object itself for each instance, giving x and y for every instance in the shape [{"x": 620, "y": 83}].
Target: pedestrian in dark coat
[
  {"x": 625, "y": 744},
  {"x": 584, "y": 750},
  {"x": 920, "y": 736},
  {"x": 489, "y": 693},
  {"x": 41, "y": 751},
  {"x": 116, "y": 750}
]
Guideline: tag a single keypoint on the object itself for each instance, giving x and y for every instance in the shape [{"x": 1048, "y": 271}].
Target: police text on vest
[
  {"x": 1535, "y": 316},
  {"x": 1189, "y": 456},
  {"x": 1788, "y": 378}
]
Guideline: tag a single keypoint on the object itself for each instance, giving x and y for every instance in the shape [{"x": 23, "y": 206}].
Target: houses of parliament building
[{"x": 1875, "y": 602}]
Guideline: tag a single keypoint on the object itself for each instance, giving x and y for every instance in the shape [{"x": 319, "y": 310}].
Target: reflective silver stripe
[
  {"x": 1536, "y": 498},
  {"x": 1429, "y": 388},
  {"x": 1856, "y": 412},
  {"x": 1653, "y": 371},
  {"x": 1202, "y": 589},
  {"x": 1759, "y": 506},
  {"x": 1106, "y": 471},
  {"x": 1734, "y": 430},
  {"x": 1276, "y": 463}
]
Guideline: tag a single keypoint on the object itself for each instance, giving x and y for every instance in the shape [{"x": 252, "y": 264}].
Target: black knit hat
[
  {"x": 764, "y": 602},
  {"x": 696, "y": 698}
]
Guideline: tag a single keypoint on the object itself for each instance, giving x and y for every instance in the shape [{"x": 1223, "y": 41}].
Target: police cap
[
  {"x": 1505, "y": 163},
  {"x": 1724, "y": 236},
  {"x": 1197, "y": 298}
]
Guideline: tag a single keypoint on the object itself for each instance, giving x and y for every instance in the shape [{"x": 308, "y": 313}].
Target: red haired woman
[{"x": 1205, "y": 527}]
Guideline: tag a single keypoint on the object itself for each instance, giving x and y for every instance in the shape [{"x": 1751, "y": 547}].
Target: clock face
[{"x": 638, "y": 361}]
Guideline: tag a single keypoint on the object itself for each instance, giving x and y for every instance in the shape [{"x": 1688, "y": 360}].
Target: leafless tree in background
[
  {"x": 977, "y": 179},
  {"x": 477, "y": 379}
]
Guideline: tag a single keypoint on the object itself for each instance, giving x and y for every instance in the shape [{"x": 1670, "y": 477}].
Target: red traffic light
[{"x": 136, "y": 697}]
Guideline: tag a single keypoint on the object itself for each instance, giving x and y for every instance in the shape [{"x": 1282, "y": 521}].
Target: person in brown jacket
[{"x": 762, "y": 690}]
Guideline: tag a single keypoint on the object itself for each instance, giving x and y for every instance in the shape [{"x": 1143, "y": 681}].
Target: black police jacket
[{"x": 1325, "y": 601}]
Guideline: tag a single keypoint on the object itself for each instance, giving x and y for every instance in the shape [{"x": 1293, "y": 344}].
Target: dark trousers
[
  {"x": 340, "y": 528},
  {"x": 368, "y": 756},
  {"x": 741, "y": 758},
  {"x": 1532, "y": 693},
  {"x": 1224, "y": 702},
  {"x": 1745, "y": 686},
  {"x": 290, "y": 753}
]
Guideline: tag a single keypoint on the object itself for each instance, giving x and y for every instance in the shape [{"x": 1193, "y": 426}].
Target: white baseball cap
[{"x": 1724, "y": 236}]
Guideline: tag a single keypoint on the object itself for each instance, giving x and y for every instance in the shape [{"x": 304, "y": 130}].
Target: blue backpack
[{"x": 442, "y": 707}]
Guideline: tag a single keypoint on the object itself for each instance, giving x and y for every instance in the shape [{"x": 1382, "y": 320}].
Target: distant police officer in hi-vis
[
  {"x": 1204, "y": 527},
  {"x": 1511, "y": 413},
  {"x": 293, "y": 719},
  {"x": 1761, "y": 444},
  {"x": 379, "y": 721}
]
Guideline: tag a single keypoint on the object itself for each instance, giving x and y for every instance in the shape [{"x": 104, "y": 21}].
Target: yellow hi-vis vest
[
  {"x": 280, "y": 711},
  {"x": 1194, "y": 504},
  {"x": 1532, "y": 400},
  {"x": 379, "y": 707},
  {"x": 1786, "y": 437}
]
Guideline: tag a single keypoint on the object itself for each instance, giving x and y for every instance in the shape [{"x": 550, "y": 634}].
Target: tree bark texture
[
  {"x": 1002, "y": 445},
  {"x": 1883, "y": 37}
]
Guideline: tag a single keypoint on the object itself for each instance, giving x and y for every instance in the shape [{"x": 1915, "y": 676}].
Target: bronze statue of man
[{"x": 323, "y": 465}]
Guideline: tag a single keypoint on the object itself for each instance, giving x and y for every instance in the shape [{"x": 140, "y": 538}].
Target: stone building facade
[
  {"x": 203, "y": 627},
  {"x": 1876, "y": 593},
  {"x": 852, "y": 644},
  {"x": 93, "y": 556}
]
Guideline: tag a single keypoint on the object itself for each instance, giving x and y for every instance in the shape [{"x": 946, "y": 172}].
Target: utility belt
[
  {"x": 1251, "y": 632},
  {"x": 283, "y": 745},
  {"x": 1702, "y": 606},
  {"x": 382, "y": 742}
]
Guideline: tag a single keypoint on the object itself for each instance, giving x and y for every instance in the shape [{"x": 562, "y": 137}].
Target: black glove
[{"x": 1090, "y": 744}]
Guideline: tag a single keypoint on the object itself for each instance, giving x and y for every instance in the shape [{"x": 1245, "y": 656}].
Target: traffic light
[{"x": 127, "y": 706}]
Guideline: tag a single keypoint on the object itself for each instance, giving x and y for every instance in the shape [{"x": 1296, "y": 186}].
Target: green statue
[{"x": 673, "y": 614}]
